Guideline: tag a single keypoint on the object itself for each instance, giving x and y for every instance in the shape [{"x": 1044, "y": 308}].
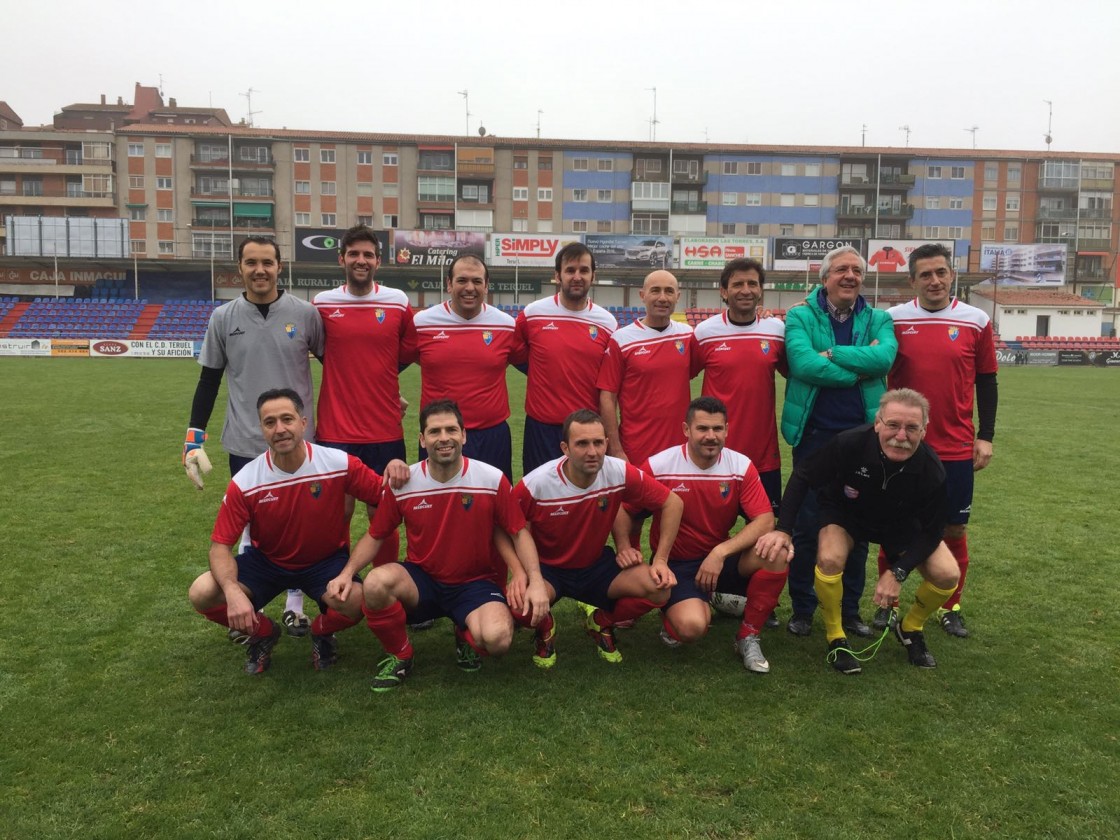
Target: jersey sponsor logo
[
  {"x": 440, "y": 336},
  {"x": 487, "y": 337},
  {"x": 315, "y": 488},
  {"x": 723, "y": 348},
  {"x": 467, "y": 500},
  {"x": 593, "y": 332},
  {"x": 559, "y": 512},
  {"x": 863, "y": 473},
  {"x": 550, "y": 326},
  {"x": 336, "y": 314},
  {"x": 642, "y": 351},
  {"x": 423, "y": 504},
  {"x": 679, "y": 345},
  {"x": 237, "y": 331},
  {"x": 268, "y": 497},
  {"x": 724, "y": 489},
  {"x": 953, "y": 333},
  {"x": 851, "y": 492},
  {"x": 680, "y": 488},
  {"x": 764, "y": 346},
  {"x": 290, "y": 330},
  {"x": 379, "y": 314},
  {"x": 910, "y": 331}
]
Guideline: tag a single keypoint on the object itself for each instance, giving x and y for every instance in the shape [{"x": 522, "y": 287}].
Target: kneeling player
[
  {"x": 716, "y": 485},
  {"x": 450, "y": 506},
  {"x": 293, "y": 498},
  {"x": 571, "y": 504}
]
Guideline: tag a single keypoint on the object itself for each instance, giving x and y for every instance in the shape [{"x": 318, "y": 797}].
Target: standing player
[
  {"x": 292, "y": 499},
  {"x": 464, "y": 346},
  {"x": 263, "y": 338},
  {"x": 571, "y": 505},
  {"x": 563, "y": 338},
  {"x": 946, "y": 350},
  {"x": 717, "y": 485},
  {"x": 645, "y": 373},
  {"x": 450, "y": 506}
]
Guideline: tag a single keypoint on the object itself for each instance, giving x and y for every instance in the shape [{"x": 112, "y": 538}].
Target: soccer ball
[{"x": 727, "y": 604}]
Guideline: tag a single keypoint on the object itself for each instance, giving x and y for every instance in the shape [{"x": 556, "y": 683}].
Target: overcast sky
[{"x": 792, "y": 73}]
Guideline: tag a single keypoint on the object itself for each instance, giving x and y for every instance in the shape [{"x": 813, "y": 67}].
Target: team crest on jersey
[
  {"x": 467, "y": 499},
  {"x": 603, "y": 503},
  {"x": 724, "y": 489},
  {"x": 379, "y": 314},
  {"x": 593, "y": 332},
  {"x": 764, "y": 346},
  {"x": 679, "y": 345},
  {"x": 954, "y": 332},
  {"x": 290, "y": 330},
  {"x": 316, "y": 488},
  {"x": 487, "y": 337}
]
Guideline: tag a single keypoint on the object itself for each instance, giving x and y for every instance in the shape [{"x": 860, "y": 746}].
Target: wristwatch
[
  {"x": 900, "y": 574},
  {"x": 828, "y": 354}
]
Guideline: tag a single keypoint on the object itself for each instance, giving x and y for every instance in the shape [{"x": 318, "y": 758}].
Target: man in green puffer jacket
[{"x": 839, "y": 349}]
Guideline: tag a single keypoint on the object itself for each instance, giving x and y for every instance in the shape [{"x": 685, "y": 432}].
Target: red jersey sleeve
[
  {"x": 643, "y": 491},
  {"x": 361, "y": 482},
  {"x": 697, "y": 357},
  {"x": 408, "y": 352},
  {"x": 507, "y": 510},
  {"x": 753, "y": 500},
  {"x": 388, "y": 516},
  {"x": 986, "y": 351},
  {"x": 610, "y": 370},
  {"x": 519, "y": 348},
  {"x": 233, "y": 516}
]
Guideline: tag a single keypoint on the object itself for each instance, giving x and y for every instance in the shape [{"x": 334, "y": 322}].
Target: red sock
[
  {"x": 959, "y": 548},
  {"x": 625, "y": 609},
  {"x": 545, "y": 627},
  {"x": 464, "y": 635},
  {"x": 388, "y": 625},
  {"x": 264, "y": 626},
  {"x": 390, "y": 550},
  {"x": 883, "y": 567},
  {"x": 332, "y": 620},
  {"x": 218, "y": 614},
  {"x": 669, "y": 627},
  {"x": 763, "y": 590}
]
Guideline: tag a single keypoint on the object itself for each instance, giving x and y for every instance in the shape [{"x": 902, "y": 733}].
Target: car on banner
[{"x": 650, "y": 252}]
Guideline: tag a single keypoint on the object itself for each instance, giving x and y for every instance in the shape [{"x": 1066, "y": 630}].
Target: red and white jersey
[
  {"x": 713, "y": 498},
  {"x": 739, "y": 364},
  {"x": 939, "y": 355},
  {"x": 295, "y": 519},
  {"x": 649, "y": 371},
  {"x": 466, "y": 361},
  {"x": 564, "y": 350},
  {"x": 569, "y": 525},
  {"x": 367, "y": 339},
  {"x": 450, "y": 525}
]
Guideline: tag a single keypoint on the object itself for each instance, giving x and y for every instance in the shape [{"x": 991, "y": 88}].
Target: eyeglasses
[{"x": 894, "y": 427}]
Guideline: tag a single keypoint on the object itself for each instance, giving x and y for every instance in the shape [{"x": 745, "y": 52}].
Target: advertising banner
[
  {"x": 25, "y": 346},
  {"x": 807, "y": 254},
  {"x": 893, "y": 255},
  {"x": 69, "y": 347},
  {"x": 1036, "y": 264},
  {"x": 629, "y": 251},
  {"x": 321, "y": 244},
  {"x": 714, "y": 252},
  {"x": 118, "y": 348},
  {"x": 527, "y": 249},
  {"x": 437, "y": 248}
]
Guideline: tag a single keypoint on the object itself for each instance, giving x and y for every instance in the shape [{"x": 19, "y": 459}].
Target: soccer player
[
  {"x": 263, "y": 339},
  {"x": 946, "y": 350},
  {"x": 292, "y": 498},
  {"x": 369, "y": 334},
  {"x": 839, "y": 349},
  {"x": 883, "y": 484},
  {"x": 571, "y": 505},
  {"x": 716, "y": 485},
  {"x": 563, "y": 338},
  {"x": 464, "y": 346},
  {"x": 450, "y": 506},
  {"x": 645, "y": 373}
]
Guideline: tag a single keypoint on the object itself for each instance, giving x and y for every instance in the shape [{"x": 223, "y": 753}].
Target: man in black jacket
[{"x": 879, "y": 483}]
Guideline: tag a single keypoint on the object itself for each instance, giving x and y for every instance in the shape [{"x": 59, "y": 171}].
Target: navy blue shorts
[
  {"x": 373, "y": 455},
  {"x": 541, "y": 444},
  {"x": 266, "y": 580},
  {"x": 589, "y": 584},
  {"x": 237, "y": 463},
  {"x": 772, "y": 484},
  {"x": 730, "y": 580},
  {"x": 491, "y": 446},
  {"x": 457, "y": 601},
  {"x": 959, "y": 481}
]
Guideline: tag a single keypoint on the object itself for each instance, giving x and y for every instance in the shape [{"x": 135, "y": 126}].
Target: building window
[
  {"x": 812, "y": 170},
  {"x": 730, "y": 167},
  {"x": 811, "y": 200},
  {"x": 163, "y": 150},
  {"x": 301, "y": 154},
  {"x": 579, "y": 226},
  {"x": 933, "y": 202},
  {"x": 988, "y": 232},
  {"x": 303, "y": 219},
  {"x": 753, "y": 199},
  {"x": 989, "y": 204},
  {"x": 606, "y": 164},
  {"x": 166, "y": 247},
  {"x": 520, "y": 225},
  {"x": 303, "y": 188},
  {"x": 956, "y": 172},
  {"x": 389, "y": 220},
  {"x": 363, "y": 189},
  {"x": 933, "y": 172},
  {"x": 809, "y": 230},
  {"x": 521, "y": 162},
  {"x": 365, "y": 220},
  {"x": 136, "y": 150},
  {"x": 785, "y": 200},
  {"x": 580, "y": 164},
  {"x": 136, "y": 182},
  {"x": 931, "y": 232},
  {"x": 544, "y": 225},
  {"x": 544, "y": 163},
  {"x": 956, "y": 203},
  {"x": 650, "y": 223},
  {"x": 435, "y": 188},
  {"x": 165, "y": 215},
  {"x": 991, "y": 172},
  {"x": 544, "y": 193},
  {"x": 579, "y": 195},
  {"x": 163, "y": 183},
  {"x": 327, "y": 188},
  {"x": 752, "y": 230},
  {"x": 785, "y": 230},
  {"x": 603, "y": 226},
  {"x": 326, "y": 156},
  {"x": 956, "y": 233},
  {"x": 520, "y": 193},
  {"x": 754, "y": 168},
  {"x": 1012, "y": 203},
  {"x": 730, "y": 199},
  {"x": 365, "y": 158},
  {"x": 389, "y": 159},
  {"x": 606, "y": 196},
  {"x": 1010, "y": 233},
  {"x": 789, "y": 169},
  {"x": 1014, "y": 173},
  {"x": 138, "y": 246},
  {"x": 727, "y": 229},
  {"x": 137, "y": 214},
  {"x": 329, "y": 219}
]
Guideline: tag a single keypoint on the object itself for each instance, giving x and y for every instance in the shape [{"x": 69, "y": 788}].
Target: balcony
[
  {"x": 238, "y": 192},
  {"x": 867, "y": 211},
  {"x": 223, "y": 163},
  {"x": 1097, "y": 183},
  {"x": 475, "y": 169},
  {"x": 1095, "y": 214},
  {"x": 688, "y": 207},
  {"x": 62, "y": 196},
  {"x": 893, "y": 179},
  {"x": 700, "y": 177},
  {"x": 1084, "y": 245},
  {"x": 1057, "y": 214},
  {"x": 857, "y": 181},
  {"x": 238, "y": 223},
  {"x": 1058, "y": 182}
]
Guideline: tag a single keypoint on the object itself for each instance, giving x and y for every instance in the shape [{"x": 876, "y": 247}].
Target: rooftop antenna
[
  {"x": 539, "y": 112},
  {"x": 249, "y": 112},
  {"x": 466, "y": 94},
  {"x": 906, "y": 129},
  {"x": 1049, "y": 124},
  {"x": 863, "y": 135},
  {"x": 653, "y": 120},
  {"x": 706, "y": 134},
  {"x": 973, "y": 131},
  {"x": 161, "y": 85}
]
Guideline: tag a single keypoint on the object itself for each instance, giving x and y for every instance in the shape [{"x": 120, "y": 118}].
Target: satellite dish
[{"x": 482, "y": 131}]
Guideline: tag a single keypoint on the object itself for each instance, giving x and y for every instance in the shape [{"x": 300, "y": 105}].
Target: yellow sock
[
  {"x": 829, "y": 592},
  {"x": 926, "y": 600}
]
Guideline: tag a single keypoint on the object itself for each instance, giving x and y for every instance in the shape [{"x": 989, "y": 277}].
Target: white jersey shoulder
[
  {"x": 443, "y": 315},
  {"x": 548, "y": 483},
  {"x": 260, "y": 475},
  {"x": 957, "y": 312},
  {"x": 718, "y": 326},
  {"x": 474, "y": 477},
  {"x": 675, "y": 463},
  {"x": 550, "y": 307},
  {"x": 636, "y": 334},
  {"x": 378, "y": 296}
]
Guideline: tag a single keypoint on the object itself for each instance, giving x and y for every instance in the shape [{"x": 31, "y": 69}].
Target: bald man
[{"x": 645, "y": 375}]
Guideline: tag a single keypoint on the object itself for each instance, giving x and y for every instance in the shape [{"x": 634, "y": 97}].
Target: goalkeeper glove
[{"x": 195, "y": 460}]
